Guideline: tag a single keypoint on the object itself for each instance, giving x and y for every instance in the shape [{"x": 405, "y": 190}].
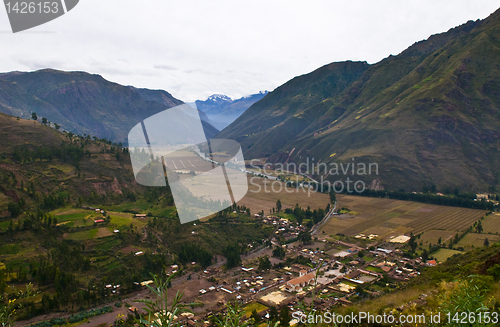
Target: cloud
[
  {"x": 165, "y": 67},
  {"x": 237, "y": 48}
]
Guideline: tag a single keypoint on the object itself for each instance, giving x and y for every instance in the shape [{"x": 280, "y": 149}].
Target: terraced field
[{"x": 387, "y": 217}]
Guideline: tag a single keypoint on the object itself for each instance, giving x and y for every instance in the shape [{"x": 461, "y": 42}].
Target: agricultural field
[
  {"x": 476, "y": 240},
  {"x": 491, "y": 224},
  {"x": 76, "y": 217},
  {"x": 85, "y": 218},
  {"x": 88, "y": 234},
  {"x": 254, "y": 306},
  {"x": 443, "y": 254},
  {"x": 387, "y": 218},
  {"x": 433, "y": 236},
  {"x": 263, "y": 194}
]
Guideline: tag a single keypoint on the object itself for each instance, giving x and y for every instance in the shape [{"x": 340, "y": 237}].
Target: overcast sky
[{"x": 194, "y": 49}]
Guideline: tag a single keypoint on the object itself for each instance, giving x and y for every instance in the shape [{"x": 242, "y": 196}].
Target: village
[{"x": 306, "y": 270}]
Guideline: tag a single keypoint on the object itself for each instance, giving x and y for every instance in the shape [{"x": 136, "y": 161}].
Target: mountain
[
  {"x": 37, "y": 161},
  {"x": 82, "y": 103},
  {"x": 430, "y": 115},
  {"x": 221, "y": 110}
]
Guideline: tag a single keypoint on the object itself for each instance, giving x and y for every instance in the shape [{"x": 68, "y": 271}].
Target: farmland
[
  {"x": 472, "y": 240},
  {"x": 75, "y": 218},
  {"x": 387, "y": 217},
  {"x": 88, "y": 234},
  {"x": 443, "y": 254},
  {"x": 263, "y": 194},
  {"x": 491, "y": 224},
  {"x": 433, "y": 236}
]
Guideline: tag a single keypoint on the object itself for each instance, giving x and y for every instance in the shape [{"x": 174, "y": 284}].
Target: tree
[
  {"x": 57, "y": 126},
  {"x": 333, "y": 197},
  {"x": 413, "y": 243},
  {"x": 304, "y": 237},
  {"x": 273, "y": 314},
  {"x": 285, "y": 317},
  {"x": 278, "y": 205},
  {"x": 479, "y": 227},
  {"x": 34, "y": 116},
  {"x": 264, "y": 263},
  {"x": 256, "y": 318},
  {"x": 44, "y": 121},
  {"x": 360, "y": 290},
  {"x": 279, "y": 252},
  {"x": 232, "y": 253},
  {"x": 486, "y": 242},
  {"x": 493, "y": 271},
  {"x": 14, "y": 209},
  {"x": 425, "y": 255}
]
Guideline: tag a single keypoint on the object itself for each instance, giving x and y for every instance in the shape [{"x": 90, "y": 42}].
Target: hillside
[
  {"x": 82, "y": 103},
  {"x": 222, "y": 110},
  {"x": 426, "y": 116},
  {"x": 37, "y": 161}
]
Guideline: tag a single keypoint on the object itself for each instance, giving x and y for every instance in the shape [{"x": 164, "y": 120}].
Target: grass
[
  {"x": 259, "y": 307},
  {"x": 123, "y": 220},
  {"x": 374, "y": 269},
  {"x": 289, "y": 216},
  {"x": 88, "y": 234},
  {"x": 9, "y": 249},
  {"x": 491, "y": 224},
  {"x": 433, "y": 236},
  {"x": 443, "y": 254},
  {"x": 4, "y": 225},
  {"x": 472, "y": 240}
]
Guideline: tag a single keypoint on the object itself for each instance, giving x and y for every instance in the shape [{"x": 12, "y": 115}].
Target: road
[{"x": 315, "y": 228}]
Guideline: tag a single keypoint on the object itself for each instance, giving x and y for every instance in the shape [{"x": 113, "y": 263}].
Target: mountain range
[
  {"x": 84, "y": 103},
  {"x": 221, "y": 110},
  {"x": 428, "y": 116}
]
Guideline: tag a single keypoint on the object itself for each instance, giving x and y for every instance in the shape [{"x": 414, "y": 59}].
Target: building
[{"x": 297, "y": 284}]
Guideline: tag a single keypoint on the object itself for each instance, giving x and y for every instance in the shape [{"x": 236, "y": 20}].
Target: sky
[{"x": 195, "y": 48}]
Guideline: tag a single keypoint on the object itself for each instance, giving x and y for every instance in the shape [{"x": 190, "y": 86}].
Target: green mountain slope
[
  {"x": 428, "y": 115},
  {"x": 82, "y": 103},
  {"x": 37, "y": 161}
]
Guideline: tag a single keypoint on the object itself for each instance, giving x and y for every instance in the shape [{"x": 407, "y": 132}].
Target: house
[
  {"x": 297, "y": 284},
  {"x": 98, "y": 221},
  {"x": 140, "y": 215},
  {"x": 431, "y": 263},
  {"x": 384, "y": 251}
]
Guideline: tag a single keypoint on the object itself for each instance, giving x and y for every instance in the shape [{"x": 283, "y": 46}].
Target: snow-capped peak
[{"x": 219, "y": 97}]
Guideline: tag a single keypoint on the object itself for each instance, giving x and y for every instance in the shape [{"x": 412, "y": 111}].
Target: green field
[
  {"x": 443, "y": 254},
  {"x": 88, "y": 234},
  {"x": 491, "y": 224},
  {"x": 122, "y": 221},
  {"x": 254, "y": 306},
  {"x": 433, "y": 236},
  {"x": 476, "y": 240}
]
